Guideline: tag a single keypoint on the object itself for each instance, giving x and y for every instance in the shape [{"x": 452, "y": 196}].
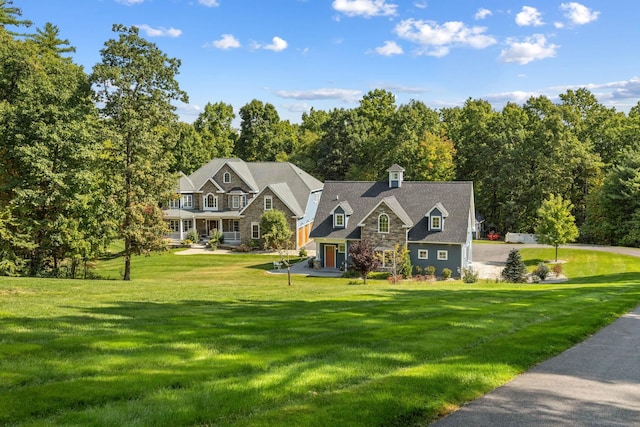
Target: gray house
[
  {"x": 230, "y": 195},
  {"x": 434, "y": 220}
]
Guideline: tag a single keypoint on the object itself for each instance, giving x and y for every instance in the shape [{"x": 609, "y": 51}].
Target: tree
[
  {"x": 515, "y": 270},
  {"x": 9, "y": 15},
  {"x": 218, "y": 137},
  {"x": 363, "y": 258},
  {"x": 135, "y": 84},
  {"x": 47, "y": 152},
  {"x": 262, "y": 136},
  {"x": 276, "y": 234},
  {"x": 556, "y": 225},
  {"x": 47, "y": 39}
]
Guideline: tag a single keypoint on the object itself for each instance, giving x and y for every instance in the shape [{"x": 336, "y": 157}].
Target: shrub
[
  {"x": 557, "y": 269},
  {"x": 302, "y": 253},
  {"x": 541, "y": 271},
  {"x": 187, "y": 242},
  {"x": 192, "y": 235},
  {"x": 430, "y": 270},
  {"x": 446, "y": 273},
  {"x": 515, "y": 270},
  {"x": 417, "y": 270},
  {"x": 469, "y": 276},
  {"x": 215, "y": 237}
]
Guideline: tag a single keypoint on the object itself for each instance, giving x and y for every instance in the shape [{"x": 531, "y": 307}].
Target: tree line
[{"x": 87, "y": 158}]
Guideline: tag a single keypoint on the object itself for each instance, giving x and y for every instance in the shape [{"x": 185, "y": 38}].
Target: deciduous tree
[
  {"x": 556, "y": 225},
  {"x": 134, "y": 85},
  {"x": 363, "y": 258}
]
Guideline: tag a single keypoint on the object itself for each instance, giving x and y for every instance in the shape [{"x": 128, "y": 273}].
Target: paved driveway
[{"x": 596, "y": 383}]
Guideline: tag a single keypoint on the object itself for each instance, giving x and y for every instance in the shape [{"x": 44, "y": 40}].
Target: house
[
  {"x": 434, "y": 220},
  {"x": 230, "y": 195}
]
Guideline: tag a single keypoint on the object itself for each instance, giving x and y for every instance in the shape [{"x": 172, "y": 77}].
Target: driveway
[{"x": 595, "y": 383}]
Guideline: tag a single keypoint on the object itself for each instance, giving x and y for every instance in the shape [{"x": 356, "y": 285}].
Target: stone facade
[
  {"x": 397, "y": 234},
  {"x": 254, "y": 211}
]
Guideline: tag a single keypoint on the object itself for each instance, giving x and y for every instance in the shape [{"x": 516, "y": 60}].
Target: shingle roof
[
  {"x": 416, "y": 198},
  {"x": 258, "y": 175}
]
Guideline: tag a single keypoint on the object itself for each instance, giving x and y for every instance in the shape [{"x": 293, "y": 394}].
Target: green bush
[
  {"x": 469, "y": 276},
  {"x": 192, "y": 235},
  {"x": 430, "y": 270},
  {"x": 446, "y": 273},
  {"x": 542, "y": 271},
  {"x": 302, "y": 253}
]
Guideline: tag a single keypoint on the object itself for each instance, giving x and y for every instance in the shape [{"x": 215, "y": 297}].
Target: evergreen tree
[{"x": 515, "y": 270}]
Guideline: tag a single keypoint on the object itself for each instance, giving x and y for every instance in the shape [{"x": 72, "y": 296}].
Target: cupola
[{"x": 396, "y": 176}]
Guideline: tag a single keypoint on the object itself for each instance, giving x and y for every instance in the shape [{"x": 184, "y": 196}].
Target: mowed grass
[{"x": 216, "y": 340}]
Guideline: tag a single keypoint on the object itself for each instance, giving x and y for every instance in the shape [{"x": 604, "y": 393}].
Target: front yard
[{"x": 215, "y": 340}]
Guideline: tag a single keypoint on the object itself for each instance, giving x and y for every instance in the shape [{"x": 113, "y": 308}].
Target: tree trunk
[{"x": 127, "y": 259}]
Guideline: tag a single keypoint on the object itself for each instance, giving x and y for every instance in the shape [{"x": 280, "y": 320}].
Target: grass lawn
[{"x": 216, "y": 340}]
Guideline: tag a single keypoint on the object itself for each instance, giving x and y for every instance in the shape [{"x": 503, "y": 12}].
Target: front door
[{"x": 330, "y": 256}]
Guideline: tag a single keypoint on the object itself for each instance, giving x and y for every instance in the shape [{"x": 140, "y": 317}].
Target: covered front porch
[{"x": 180, "y": 223}]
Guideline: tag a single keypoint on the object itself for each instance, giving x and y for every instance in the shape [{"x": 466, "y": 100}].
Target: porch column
[{"x": 181, "y": 232}]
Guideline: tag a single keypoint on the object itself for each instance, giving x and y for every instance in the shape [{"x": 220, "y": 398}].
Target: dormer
[
  {"x": 436, "y": 217},
  {"x": 396, "y": 176},
  {"x": 341, "y": 214}
]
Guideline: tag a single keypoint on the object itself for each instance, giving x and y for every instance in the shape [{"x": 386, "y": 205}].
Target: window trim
[
  {"x": 187, "y": 224},
  {"x": 187, "y": 198},
  {"x": 342, "y": 248},
  {"x": 423, "y": 253},
  {"x": 388, "y": 227},
  {"x": 226, "y": 177},
  {"x": 268, "y": 199},
  {"x": 174, "y": 225},
  {"x": 175, "y": 203},
  {"x": 235, "y": 201},
  {"x": 443, "y": 255},
  {"x": 437, "y": 218},
  {"x": 336, "y": 223},
  {"x": 205, "y": 202},
  {"x": 255, "y": 226}
]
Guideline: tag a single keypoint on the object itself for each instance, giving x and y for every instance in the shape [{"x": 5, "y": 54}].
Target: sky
[{"x": 326, "y": 54}]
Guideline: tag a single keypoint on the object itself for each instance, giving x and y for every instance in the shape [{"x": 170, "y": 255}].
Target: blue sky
[{"x": 298, "y": 54}]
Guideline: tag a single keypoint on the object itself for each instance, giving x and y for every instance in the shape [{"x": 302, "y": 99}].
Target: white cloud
[
  {"x": 531, "y": 49},
  {"x": 209, "y": 3},
  {"x": 366, "y": 8},
  {"x": 436, "y": 40},
  {"x": 482, "y": 13},
  {"x": 228, "y": 41},
  {"x": 558, "y": 25},
  {"x": 529, "y": 16},
  {"x": 160, "y": 31},
  {"x": 277, "y": 44},
  {"x": 129, "y": 2},
  {"x": 516, "y": 96},
  {"x": 421, "y": 5},
  {"x": 389, "y": 48},
  {"x": 346, "y": 95},
  {"x": 579, "y": 14}
]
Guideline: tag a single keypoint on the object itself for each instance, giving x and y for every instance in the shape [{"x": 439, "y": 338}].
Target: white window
[
  {"x": 255, "y": 230},
  {"x": 187, "y": 224},
  {"x": 210, "y": 202},
  {"x": 187, "y": 201},
  {"x": 235, "y": 202},
  {"x": 174, "y": 225},
  {"x": 342, "y": 248},
  {"x": 243, "y": 200},
  {"x": 268, "y": 203},
  {"x": 174, "y": 203},
  {"x": 226, "y": 178},
  {"x": 383, "y": 223},
  {"x": 436, "y": 222},
  {"x": 443, "y": 255},
  {"x": 395, "y": 176},
  {"x": 423, "y": 254},
  {"x": 338, "y": 220}
]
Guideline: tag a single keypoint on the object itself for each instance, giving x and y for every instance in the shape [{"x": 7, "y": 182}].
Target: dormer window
[
  {"x": 268, "y": 203},
  {"x": 396, "y": 173},
  {"x": 436, "y": 223},
  {"x": 383, "y": 223},
  {"x": 338, "y": 220},
  {"x": 226, "y": 178}
]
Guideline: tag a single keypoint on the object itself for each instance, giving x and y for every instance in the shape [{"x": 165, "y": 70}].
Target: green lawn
[{"x": 215, "y": 340}]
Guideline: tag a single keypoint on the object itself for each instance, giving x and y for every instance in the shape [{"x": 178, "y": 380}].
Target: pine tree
[{"x": 515, "y": 270}]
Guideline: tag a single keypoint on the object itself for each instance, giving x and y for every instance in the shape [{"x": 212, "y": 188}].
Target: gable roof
[
  {"x": 410, "y": 201},
  {"x": 259, "y": 175},
  {"x": 395, "y": 207},
  {"x": 345, "y": 206},
  {"x": 440, "y": 208},
  {"x": 284, "y": 193}
]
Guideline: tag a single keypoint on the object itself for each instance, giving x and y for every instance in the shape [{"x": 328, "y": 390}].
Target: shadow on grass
[{"x": 393, "y": 360}]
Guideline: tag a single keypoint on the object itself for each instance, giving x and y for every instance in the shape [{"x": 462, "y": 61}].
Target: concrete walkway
[{"x": 596, "y": 383}]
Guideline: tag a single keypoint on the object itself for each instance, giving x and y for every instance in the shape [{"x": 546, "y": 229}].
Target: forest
[{"x": 90, "y": 157}]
